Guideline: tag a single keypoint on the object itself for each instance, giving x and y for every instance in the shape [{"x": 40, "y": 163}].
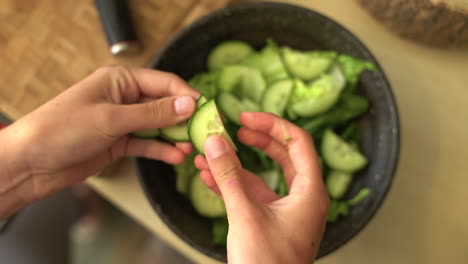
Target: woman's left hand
[{"x": 79, "y": 132}]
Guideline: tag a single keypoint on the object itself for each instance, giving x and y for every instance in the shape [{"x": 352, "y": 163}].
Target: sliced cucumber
[
  {"x": 177, "y": 132},
  {"x": 319, "y": 96},
  {"x": 184, "y": 174},
  {"x": 338, "y": 183},
  {"x": 147, "y": 133},
  {"x": 253, "y": 85},
  {"x": 201, "y": 100},
  {"x": 230, "y": 78},
  {"x": 271, "y": 178},
  {"x": 306, "y": 66},
  {"x": 204, "y": 200},
  {"x": 276, "y": 97},
  {"x": 269, "y": 62},
  {"x": 232, "y": 107},
  {"x": 242, "y": 81},
  {"x": 204, "y": 123},
  {"x": 205, "y": 83},
  {"x": 227, "y": 53},
  {"x": 340, "y": 155}
]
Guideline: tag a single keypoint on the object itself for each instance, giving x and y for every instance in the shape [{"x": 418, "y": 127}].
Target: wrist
[{"x": 14, "y": 173}]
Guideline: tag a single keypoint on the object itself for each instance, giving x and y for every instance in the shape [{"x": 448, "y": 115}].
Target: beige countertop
[{"x": 424, "y": 218}]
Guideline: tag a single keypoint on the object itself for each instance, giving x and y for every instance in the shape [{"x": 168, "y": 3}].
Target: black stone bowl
[{"x": 299, "y": 28}]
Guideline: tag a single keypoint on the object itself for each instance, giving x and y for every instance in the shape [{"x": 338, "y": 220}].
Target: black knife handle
[{"x": 118, "y": 26}]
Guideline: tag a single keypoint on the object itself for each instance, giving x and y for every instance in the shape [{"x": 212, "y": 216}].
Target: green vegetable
[
  {"x": 348, "y": 107},
  {"x": 205, "y": 83},
  {"x": 362, "y": 194},
  {"x": 314, "y": 89},
  {"x": 282, "y": 187},
  {"x": 351, "y": 132},
  {"x": 220, "y": 231},
  {"x": 184, "y": 174},
  {"x": 353, "y": 67},
  {"x": 341, "y": 208}
]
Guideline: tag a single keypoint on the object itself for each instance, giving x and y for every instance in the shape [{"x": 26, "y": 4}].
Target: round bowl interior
[{"x": 299, "y": 28}]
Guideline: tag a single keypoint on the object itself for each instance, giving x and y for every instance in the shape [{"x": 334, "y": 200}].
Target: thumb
[
  {"x": 227, "y": 172},
  {"x": 159, "y": 113}
]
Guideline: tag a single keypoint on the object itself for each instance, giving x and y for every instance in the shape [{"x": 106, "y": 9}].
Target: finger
[
  {"x": 154, "y": 149},
  {"x": 298, "y": 142},
  {"x": 227, "y": 172},
  {"x": 186, "y": 147},
  {"x": 159, "y": 113},
  {"x": 259, "y": 189},
  {"x": 159, "y": 83},
  {"x": 254, "y": 184},
  {"x": 277, "y": 151},
  {"x": 210, "y": 182},
  {"x": 201, "y": 163}
]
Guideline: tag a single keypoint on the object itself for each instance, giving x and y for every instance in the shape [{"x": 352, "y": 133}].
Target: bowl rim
[{"x": 393, "y": 153}]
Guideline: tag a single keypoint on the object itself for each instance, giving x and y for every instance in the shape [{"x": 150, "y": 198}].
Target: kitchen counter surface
[{"x": 423, "y": 219}]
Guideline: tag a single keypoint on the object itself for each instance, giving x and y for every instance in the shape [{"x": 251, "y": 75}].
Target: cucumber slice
[
  {"x": 269, "y": 62},
  {"x": 319, "y": 96},
  {"x": 201, "y": 100},
  {"x": 306, "y": 65},
  {"x": 253, "y": 85},
  {"x": 338, "y": 183},
  {"x": 204, "y": 123},
  {"x": 340, "y": 155},
  {"x": 146, "y": 133},
  {"x": 232, "y": 107},
  {"x": 227, "y": 53},
  {"x": 205, "y": 83},
  {"x": 276, "y": 97},
  {"x": 184, "y": 174},
  {"x": 177, "y": 132},
  {"x": 242, "y": 81},
  {"x": 205, "y": 201},
  {"x": 271, "y": 178},
  {"x": 230, "y": 78}
]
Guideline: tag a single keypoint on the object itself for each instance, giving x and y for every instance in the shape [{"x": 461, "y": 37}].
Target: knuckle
[
  {"x": 157, "y": 110},
  {"x": 228, "y": 174},
  {"x": 106, "y": 120}
]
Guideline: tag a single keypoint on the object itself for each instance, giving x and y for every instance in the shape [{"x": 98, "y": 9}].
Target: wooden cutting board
[{"x": 48, "y": 45}]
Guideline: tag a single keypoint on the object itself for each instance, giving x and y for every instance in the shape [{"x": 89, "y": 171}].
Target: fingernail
[
  {"x": 214, "y": 147},
  {"x": 184, "y": 105}
]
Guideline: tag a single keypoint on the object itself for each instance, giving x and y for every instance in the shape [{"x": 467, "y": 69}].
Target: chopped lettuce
[{"x": 353, "y": 67}]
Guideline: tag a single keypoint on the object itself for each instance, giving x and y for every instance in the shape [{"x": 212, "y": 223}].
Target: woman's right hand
[{"x": 263, "y": 227}]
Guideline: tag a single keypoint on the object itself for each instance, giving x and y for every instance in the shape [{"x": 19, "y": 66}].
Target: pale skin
[{"x": 82, "y": 130}]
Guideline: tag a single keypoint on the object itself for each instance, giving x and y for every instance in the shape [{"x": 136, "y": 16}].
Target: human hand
[
  {"x": 79, "y": 132},
  {"x": 263, "y": 227}
]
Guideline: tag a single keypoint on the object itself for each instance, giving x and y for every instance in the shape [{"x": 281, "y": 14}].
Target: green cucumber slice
[
  {"x": 275, "y": 99},
  {"x": 242, "y": 81},
  {"x": 184, "y": 174},
  {"x": 201, "y": 100},
  {"x": 227, "y": 53},
  {"x": 340, "y": 155},
  {"x": 205, "y": 83},
  {"x": 232, "y": 107},
  {"x": 205, "y": 201},
  {"x": 269, "y": 62},
  {"x": 176, "y": 132},
  {"x": 204, "y": 123},
  {"x": 230, "y": 78},
  {"x": 306, "y": 65},
  {"x": 319, "y": 96},
  {"x": 146, "y": 133},
  {"x": 338, "y": 183}
]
